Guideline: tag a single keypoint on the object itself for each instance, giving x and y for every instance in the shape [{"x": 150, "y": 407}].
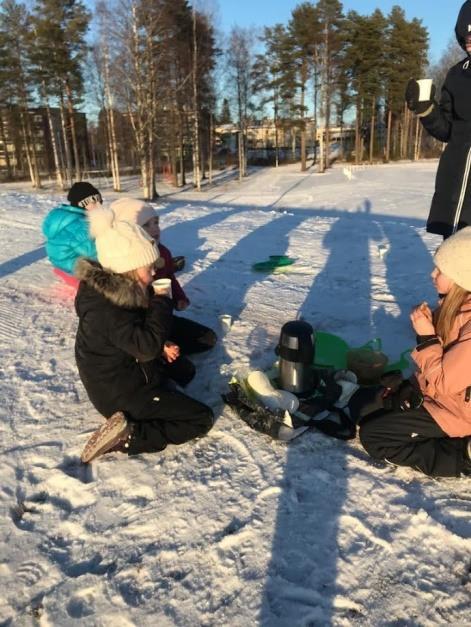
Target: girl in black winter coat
[
  {"x": 450, "y": 122},
  {"x": 122, "y": 350}
]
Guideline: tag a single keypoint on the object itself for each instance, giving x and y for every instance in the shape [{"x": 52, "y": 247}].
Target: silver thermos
[{"x": 296, "y": 350}]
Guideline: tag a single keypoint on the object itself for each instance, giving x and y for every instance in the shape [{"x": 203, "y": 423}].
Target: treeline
[
  {"x": 355, "y": 66},
  {"x": 150, "y": 69},
  {"x": 152, "y": 72}
]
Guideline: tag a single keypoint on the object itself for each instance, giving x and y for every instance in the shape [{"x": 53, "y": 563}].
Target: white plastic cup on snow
[
  {"x": 425, "y": 89},
  {"x": 225, "y": 320},
  {"x": 163, "y": 287}
]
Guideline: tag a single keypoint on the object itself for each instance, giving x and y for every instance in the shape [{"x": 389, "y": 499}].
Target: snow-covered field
[{"x": 234, "y": 529}]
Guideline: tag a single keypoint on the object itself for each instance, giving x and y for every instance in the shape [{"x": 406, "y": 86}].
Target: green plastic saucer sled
[
  {"x": 331, "y": 352},
  {"x": 274, "y": 262}
]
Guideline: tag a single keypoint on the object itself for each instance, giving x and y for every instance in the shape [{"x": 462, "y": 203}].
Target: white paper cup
[
  {"x": 425, "y": 89},
  {"x": 163, "y": 287},
  {"x": 226, "y": 322}
]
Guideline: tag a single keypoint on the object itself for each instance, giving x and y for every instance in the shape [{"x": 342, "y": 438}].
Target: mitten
[
  {"x": 407, "y": 397},
  {"x": 414, "y": 103}
]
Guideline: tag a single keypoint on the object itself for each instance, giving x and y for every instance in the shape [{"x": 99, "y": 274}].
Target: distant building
[
  {"x": 261, "y": 139},
  {"x": 13, "y": 156}
]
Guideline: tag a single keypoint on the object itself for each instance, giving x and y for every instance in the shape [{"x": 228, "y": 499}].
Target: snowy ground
[{"x": 234, "y": 529}]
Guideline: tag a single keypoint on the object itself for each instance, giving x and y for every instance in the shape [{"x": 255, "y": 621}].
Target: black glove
[
  {"x": 412, "y": 98},
  {"x": 407, "y": 397}
]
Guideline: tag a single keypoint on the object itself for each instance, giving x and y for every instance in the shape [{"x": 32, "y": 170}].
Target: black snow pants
[
  {"x": 192, "y": 337},
  {"x": 413, "y": 438},
  {"x": 167, "y": 417}
]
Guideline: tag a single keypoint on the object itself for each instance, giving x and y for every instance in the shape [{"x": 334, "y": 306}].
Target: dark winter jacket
[
  {"x": 67, "y": 237},
  {"x": 450, "y": 122},
  {"x": 166, "y": 272},
  {"x": 120, "y": 338}
]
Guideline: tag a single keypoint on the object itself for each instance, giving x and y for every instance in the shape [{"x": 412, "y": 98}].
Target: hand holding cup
[{"x": 163, "y": 287}]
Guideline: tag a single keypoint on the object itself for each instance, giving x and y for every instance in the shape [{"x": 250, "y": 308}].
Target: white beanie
[
  {"x": 453, "y": 258},
  {"x": 133, "y": 210},
  {"x": 120, "y": 246}
]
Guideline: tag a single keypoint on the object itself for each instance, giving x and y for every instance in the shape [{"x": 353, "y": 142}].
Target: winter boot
[
  {"x": 268, "y": 395},
  {"x": 278, "y": 425},
  {"x": 109, "y": 437},
  {"x": 349, "y": 383}
]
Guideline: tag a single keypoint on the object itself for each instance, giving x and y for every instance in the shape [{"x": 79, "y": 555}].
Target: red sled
[{"x": 67, "y": 278}]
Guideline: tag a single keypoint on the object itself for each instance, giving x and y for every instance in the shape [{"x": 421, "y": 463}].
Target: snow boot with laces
[{"x": 111, "y": 436}]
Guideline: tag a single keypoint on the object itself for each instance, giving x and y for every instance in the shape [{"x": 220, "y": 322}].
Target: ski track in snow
[{"x": 233, "y": 529}]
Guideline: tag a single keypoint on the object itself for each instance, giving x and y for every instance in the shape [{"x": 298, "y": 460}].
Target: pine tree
[
  {"x": 364, "y": 60},
  {"x": 305, "y": 36},
  {"x": 225, "y": 116},
  {"x": 59, "y": 53},
  {"x": 331, "y": 20},
  {"x": 270, "y": 72},
  {"x": 406, "y": 49},
  {"x": 15, "y": 74}
]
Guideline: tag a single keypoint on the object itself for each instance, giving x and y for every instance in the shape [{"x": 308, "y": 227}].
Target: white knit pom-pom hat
[
  {"x": 120, "y": 246},
  {"x": 453, "y": 258},
  {"x": 133, "y": 210}
]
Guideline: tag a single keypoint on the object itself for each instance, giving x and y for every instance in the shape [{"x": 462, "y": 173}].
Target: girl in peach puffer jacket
[{"x": 433, "y": 432}]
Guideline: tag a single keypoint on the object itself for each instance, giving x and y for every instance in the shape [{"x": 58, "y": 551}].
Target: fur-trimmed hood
[{"x": 120, "y": 290}]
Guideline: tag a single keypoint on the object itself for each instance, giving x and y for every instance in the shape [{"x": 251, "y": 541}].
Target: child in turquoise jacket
[{"x": 66, "y": 228}]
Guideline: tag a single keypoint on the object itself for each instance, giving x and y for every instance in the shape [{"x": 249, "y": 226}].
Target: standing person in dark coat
[
  {"x": 122, "y": 347},
  {"x": 450, "y": 122}
]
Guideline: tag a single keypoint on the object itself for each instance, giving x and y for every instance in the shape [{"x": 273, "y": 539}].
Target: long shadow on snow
[
  {"x": 302, "y": 581},
  {"x": 233, "y": 276},
  {"x": 26, "y": 259}
]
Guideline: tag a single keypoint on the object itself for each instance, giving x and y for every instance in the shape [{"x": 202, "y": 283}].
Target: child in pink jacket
[{"x": 432, "y": 432}]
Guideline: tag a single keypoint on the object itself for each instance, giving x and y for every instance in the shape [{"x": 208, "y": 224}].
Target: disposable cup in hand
[
  {"x": 225, "y": 321},
  {"x": 163, "y": 287},
  {"x": 425, "y": 89}
]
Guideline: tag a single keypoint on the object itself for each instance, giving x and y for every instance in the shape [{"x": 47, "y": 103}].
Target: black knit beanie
[{"x": 82, "y": 194}]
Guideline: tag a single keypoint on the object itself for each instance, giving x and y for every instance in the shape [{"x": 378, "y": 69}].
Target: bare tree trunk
[
  {"x": 182, "y": 159},
  {"x": 68, "y": 156},
  {"x": 327, "y": 94},
  {"x": 52, "y": 131},
  {"x": 388, "y": 137},
  {"x": 196, "y": 130},
  {"x": 173, "y": 149},
  {"x": 303, "y": 124},
  {"x": 357, "y": 135},
  {"x": 277, "y": 149},
  {"x": 416, "y": 139},
  {"x": 372, "y": 130},
  {"x": 27, "y": 146},
  {"x": 240, "y": 147},
  {"x": 316, "y": 88},
  {"x": 321, "y": 152},
  {"x": 419, "y": 139},
  {"x": 211, "y": 140},
  {"x": 30, "y": 148},
  {"x": 73, "y": 131},
  {"x": 5, "y": 148},
  {"x": 110, "y": 121}
]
